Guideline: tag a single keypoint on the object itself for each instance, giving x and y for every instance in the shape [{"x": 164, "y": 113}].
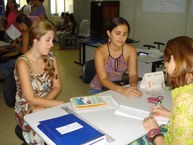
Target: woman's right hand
[{"x": 160, "y": 111}]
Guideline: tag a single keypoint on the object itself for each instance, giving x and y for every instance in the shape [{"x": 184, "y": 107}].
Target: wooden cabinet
[{"x": 101, "y": 12}]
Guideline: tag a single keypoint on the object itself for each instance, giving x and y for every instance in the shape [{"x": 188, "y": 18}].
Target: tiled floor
[{"x": 72, "y": 85}]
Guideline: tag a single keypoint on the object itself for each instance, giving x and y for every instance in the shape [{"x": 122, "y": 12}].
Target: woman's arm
[
  {"x": 132, "y": 66},
  {"x": 24, "y": 43},
  {"x": 149, "y": 124},
  {"x": 4, "y": 21},
  {"x": 23, "y": 71}
]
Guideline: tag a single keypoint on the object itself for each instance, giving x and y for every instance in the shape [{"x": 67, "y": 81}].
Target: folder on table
[{"x": 71, "y": 130}]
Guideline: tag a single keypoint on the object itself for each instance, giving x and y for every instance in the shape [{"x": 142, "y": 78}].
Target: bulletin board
[{"x": 166, "y": 6}]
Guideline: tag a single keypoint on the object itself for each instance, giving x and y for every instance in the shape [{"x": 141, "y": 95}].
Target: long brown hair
[
  {"x": 181, "y": 48},
  {"x": 37, "y": 30}
]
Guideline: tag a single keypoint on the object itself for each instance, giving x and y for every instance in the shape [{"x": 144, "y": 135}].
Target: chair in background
[
  {"x": 9, "y": 91},
  {"x": 71, "y": 39},
  {"x": 148, "y": 46},
  {"x": 159, "y": 44},
  {"x": 81, "y": 32},
  {"x": 88, "y": 71}
]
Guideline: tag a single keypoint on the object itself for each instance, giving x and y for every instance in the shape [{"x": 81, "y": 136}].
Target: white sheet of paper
[{"x": 13, "y": 32}]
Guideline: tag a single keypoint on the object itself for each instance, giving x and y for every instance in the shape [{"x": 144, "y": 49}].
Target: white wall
[{"x": 146, "y": 27}]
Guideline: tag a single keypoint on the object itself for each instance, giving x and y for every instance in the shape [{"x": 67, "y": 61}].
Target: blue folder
[{"x": 80, "y": 136}]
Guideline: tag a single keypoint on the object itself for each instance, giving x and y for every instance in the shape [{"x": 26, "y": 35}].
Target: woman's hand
[
  {"x": 160, "y": 111},
  {"x": 150, "y": 123},
  {"x": 131, "y": 92}
]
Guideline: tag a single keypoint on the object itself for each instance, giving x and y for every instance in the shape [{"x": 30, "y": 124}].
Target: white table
[{"x": 123, "y": 129}]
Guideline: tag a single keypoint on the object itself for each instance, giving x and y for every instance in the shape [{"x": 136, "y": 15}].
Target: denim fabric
[
  {"x": 93, "y": 91},
  {"x": 7, "y": 67}
]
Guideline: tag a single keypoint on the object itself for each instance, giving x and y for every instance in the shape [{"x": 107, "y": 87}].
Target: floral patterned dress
[{"x": 42, "y": 85}]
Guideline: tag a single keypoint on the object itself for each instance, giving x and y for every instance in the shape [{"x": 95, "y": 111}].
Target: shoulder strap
[{"x": 26, "y": 59}]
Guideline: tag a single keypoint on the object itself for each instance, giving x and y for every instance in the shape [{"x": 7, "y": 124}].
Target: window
[
  {"x": 59, "y": 6},
  {"x": 21, "y": 3}
]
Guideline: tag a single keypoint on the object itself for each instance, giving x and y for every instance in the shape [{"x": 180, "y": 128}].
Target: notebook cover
[{"x": 80, "y": 136}]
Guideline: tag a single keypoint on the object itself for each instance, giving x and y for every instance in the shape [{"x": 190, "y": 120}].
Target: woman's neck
[
  {"x": 34, "y": 56},
  {"x": 114, "y": 47}
]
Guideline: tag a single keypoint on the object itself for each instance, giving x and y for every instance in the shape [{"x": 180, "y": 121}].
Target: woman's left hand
[
  {"x": 150, "y": 123},
  {"x": 133, "y": 92}
]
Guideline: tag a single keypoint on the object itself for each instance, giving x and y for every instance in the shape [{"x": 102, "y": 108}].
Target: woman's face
[
  {"x": 22, "y": 26},
  {"x": 118, "y": 35},
  {"x": 170, "y": 66},
  {"x": 11, "y": 4},
  {"x": 45, "y": 43}
]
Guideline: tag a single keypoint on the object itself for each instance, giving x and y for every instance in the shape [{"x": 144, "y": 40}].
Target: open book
[
  {"x": 92, "y": 101},
  {"x": 138, "y": 114}
]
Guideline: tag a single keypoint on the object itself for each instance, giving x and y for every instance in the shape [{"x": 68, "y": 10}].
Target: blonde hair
[
  {"x": 38, "y": 29},
  {"x": 181, "y": 48}
]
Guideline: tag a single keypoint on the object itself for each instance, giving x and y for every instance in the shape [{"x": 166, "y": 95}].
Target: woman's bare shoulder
[
  {"x": 129, "y": 47},
  {"x": 102, "y": 49}
]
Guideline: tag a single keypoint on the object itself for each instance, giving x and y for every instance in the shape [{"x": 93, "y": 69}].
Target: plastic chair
[
  {"x": 72, "y": 39},
  {"x": 159, "y": 44},
  {"x": 9, "y": 91},
  {"x": 88, "y": 71},
  {"x": 81, "y": 32},
  {"x": 148, "y": 46}
]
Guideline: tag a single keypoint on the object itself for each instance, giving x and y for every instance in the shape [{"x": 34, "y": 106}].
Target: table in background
[{"x": 123, "y": 129}]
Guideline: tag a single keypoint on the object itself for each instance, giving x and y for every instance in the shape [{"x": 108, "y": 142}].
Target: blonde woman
[{"x": 37, "y": 78}]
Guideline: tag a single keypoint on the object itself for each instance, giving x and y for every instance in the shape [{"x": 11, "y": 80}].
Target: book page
[{"x": 138, "y": 114}]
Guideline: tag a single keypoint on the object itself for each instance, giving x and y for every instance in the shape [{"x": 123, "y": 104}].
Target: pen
[{"x": 157, "y": 104}]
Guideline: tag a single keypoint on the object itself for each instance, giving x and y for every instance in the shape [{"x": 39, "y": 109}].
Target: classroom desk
[{"x": 123, "y": 129}]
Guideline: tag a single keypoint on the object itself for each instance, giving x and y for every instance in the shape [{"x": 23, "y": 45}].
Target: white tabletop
[
  {"x": 123, "y": 129},
  {"x": 3, "y": 43}
]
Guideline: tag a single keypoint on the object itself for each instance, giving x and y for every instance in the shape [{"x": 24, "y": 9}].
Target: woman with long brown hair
[{"x": 37, "y": 78}]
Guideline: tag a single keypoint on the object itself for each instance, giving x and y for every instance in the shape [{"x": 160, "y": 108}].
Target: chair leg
[{"x": 19, "y": 133}]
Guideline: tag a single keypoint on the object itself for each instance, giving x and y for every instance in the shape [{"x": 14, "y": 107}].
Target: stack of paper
[
  {"x": 71, "y": 130},
  {"x": 138, "y": 114}
]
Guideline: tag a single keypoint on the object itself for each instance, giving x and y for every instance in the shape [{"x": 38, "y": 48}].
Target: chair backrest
[
  {"x": 88, "y": 71},
  {"x": 84, "y": 28},
  {"x": 9, "y": 90}
]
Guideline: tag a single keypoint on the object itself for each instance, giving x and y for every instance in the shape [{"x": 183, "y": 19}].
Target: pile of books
[{"x": 93, "y": 101}]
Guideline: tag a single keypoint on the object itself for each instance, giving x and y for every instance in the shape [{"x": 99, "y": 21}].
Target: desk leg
[
  {"x": 156, "y": 65},
  {"x": 80, "y": 63}
]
